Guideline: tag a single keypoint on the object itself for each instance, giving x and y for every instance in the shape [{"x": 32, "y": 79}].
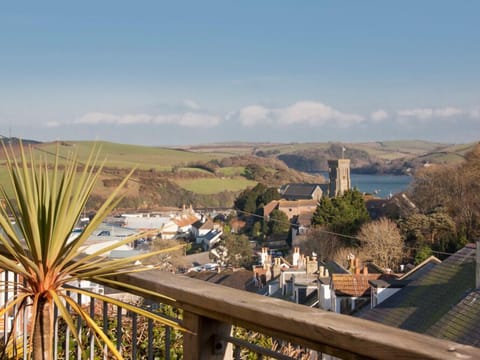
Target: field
[
  {"x": 127, "y": 156},
  {"x": 231, "y": 171},
  {"x": 214, "y": 186}
]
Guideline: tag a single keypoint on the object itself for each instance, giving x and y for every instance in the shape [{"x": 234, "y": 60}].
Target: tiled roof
[
  {"x": 207, "y": 224},
  {"x": 185, "y": 220},
  {"x": 441, "y": 303},
  {"x": 355, "y": 285},
  {"x": 267, "y": 209}
]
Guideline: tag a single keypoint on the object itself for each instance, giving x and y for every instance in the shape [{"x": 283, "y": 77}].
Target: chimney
[
  {"x": 296, "y": 256},
  {"x": 477, "y": 264},
  {"x": 321, "y": 271},
  {"x": 264, "y": 255},
  {"x": 365, "y": 270},
  {"x": 357, "y": 266}
]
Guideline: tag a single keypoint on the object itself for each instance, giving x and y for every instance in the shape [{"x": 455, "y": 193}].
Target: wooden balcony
[{"x": 210, "y": 310}]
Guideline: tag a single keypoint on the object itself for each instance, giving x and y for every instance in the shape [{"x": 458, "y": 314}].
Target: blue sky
[{"x": 190, "y": 72}]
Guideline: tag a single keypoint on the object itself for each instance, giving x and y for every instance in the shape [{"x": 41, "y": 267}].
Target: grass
[
  {"x": 214, "y": 186},
  {"x": 231, "y": 171},
  {"x": 127, "y": 156},
  {"x": 194, "y": 170}
]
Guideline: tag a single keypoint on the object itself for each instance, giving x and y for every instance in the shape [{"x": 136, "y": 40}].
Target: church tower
[{"x": 339, "y": 173}]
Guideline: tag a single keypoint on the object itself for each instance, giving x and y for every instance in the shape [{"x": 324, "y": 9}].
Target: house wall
[
  {"x": 381, "y": 294},
  {"x": 296, "y": 210},
  {"x": 301, "y": 292},
  {"x": 273, "y": 287},
  {"x": 317, "y": 194},
  {"x": 324, "y": 297}
]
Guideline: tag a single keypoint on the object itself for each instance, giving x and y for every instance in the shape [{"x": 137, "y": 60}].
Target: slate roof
[
  {"x": 299, "y": 191},
  {"x": 239, "y": 279},
  {"x": 443, "y": 302},
  {"x": 461, "y": 323},
  {"x": 333, "y": 267}
]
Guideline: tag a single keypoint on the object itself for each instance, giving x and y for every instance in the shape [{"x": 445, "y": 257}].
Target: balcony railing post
[{"x": 204, "y": 343}]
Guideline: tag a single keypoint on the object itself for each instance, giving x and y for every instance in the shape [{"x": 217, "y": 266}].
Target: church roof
[{"x": 304, "y": 191}]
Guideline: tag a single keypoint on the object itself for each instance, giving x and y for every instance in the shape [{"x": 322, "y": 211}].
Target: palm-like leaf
[{"x": 46, "y": 205}]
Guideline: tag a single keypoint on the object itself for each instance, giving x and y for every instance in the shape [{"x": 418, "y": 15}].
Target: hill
[
  {"x": 212, "y": 175},
  {"x": 394, "y": 157},
  {"x": 174, "y": 177}
]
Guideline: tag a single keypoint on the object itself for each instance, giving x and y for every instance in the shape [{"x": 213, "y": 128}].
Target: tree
[
  {"x": 249, "y": 200},
  {"x": 278, "y": 223},
  {"x": 325, "y": 213},
  {"x": 344, "y": 214},
  {"x": 257, "y": 230},
  {"x": 456, "y": 188},
  {"x": 436, "y": 230},
  {"x": 238, "y": 250},
  {"x": 422, "y": 253},
  {"x": 382, "y": 243},
  {"x": 324, "y": 244},
  {"x": 269, "y": 194},
  {"x": 46, "y": 205}
]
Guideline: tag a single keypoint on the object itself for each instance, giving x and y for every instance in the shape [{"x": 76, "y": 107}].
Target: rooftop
[{"x": 442, "y": 301}]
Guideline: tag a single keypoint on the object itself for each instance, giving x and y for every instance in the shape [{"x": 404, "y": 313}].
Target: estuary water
[{"x": 379, "y": 185}]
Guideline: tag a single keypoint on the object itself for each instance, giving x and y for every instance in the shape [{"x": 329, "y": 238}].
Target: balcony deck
[{"x": 210, "y": 310}]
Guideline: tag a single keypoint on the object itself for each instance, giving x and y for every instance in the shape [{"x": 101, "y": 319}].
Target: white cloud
[
  {"x": 188, "y": 119},
  {"x": 447, "y": 112},
  {"x": 420, "y": 114},
  {"x": 424, "y": 114},
  {"x": 302, "y": 112},
  {"x": 379, "y": 115},
  {"x": 132, "y": 119},
  {"x": 254, "y": 114},
  {"x": 200, "y": 120},
  {"x": 94, "y": 118}
]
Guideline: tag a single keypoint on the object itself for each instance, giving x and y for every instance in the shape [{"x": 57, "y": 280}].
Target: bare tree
[
  {"x": 455, "y": 188},
  {"x": 325, "y": 244},
  {"x": 382, "y": 243}
]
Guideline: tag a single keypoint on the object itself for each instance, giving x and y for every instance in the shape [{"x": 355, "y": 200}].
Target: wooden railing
[{"x": 210, "y": 310}]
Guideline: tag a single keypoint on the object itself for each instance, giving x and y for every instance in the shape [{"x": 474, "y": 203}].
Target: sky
[{"x": 193, "y": 72}]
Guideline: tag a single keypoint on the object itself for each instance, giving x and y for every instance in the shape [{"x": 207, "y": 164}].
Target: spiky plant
[{"x": 46, "y": 204}]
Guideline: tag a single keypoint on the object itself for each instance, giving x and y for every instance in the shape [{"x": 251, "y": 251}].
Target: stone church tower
[{"x": 339, "y": 173}]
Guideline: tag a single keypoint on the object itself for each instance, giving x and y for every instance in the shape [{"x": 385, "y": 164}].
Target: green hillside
[
  {"x": 212, "y": 175},
  {"x": 129, "y": 156}
]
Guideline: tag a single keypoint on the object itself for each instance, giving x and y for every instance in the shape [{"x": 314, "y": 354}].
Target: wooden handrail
[{"x": 339, "y": 335}]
